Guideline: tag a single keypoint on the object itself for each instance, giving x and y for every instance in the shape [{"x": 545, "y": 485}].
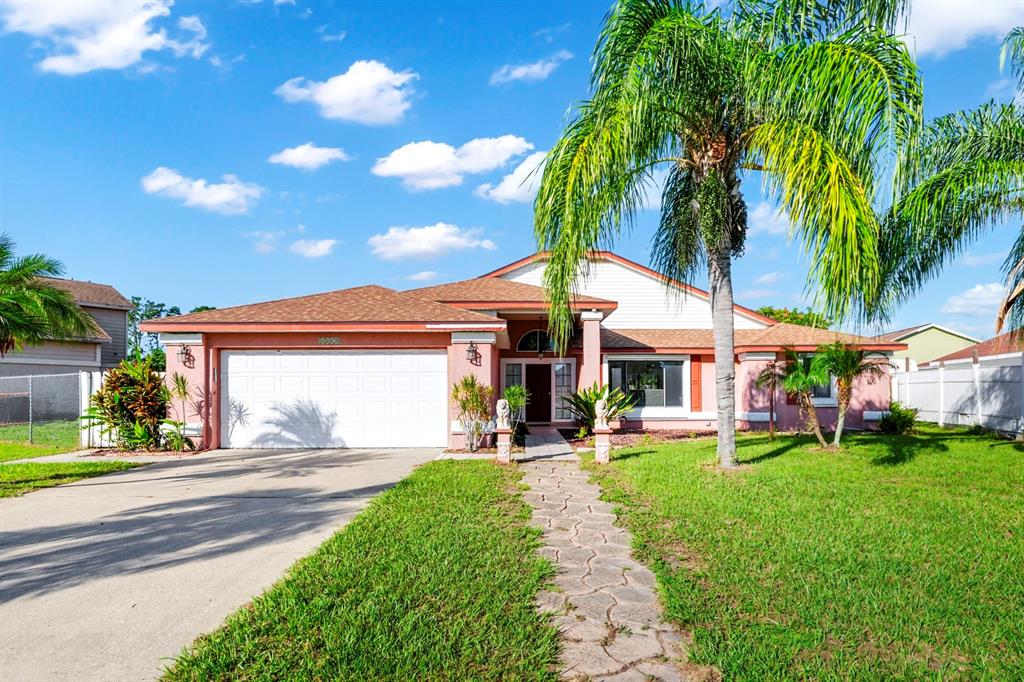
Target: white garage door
[{"x": 350, "y": 399}]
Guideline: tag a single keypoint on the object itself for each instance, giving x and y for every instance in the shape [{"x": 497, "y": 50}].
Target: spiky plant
[
  {"x": 32, "y": 309},
  {"x": 848, "y": 364},
  {"x": 800, "y": 381},
  {"x": 815, "y": 96}
]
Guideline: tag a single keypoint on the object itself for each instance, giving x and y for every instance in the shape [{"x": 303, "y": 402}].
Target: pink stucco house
[{"x": 372, "y": 367}]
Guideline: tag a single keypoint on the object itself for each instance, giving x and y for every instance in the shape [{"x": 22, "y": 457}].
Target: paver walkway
[
  {"x": 545, "y": 442},
  {"x": 606, "y": 607}
]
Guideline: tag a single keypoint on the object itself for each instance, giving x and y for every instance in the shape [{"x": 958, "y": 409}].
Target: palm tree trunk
[
  {"x": 720, "y": 275},
  {"x": 771, "y": 412},
  {"x": 845, "y": 393},
  {"x": 812, "y": 418}
]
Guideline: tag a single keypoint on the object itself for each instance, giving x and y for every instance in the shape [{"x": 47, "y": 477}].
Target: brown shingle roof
[
  {"x": 359, "y": 304},
  {"x": 495, "y": 290},
  {"x": 778, "y": 335},
  {"x": 1010, "y": 342},
  {"x": 90, "y": 293},
  {"x": 897, "y": 333}
]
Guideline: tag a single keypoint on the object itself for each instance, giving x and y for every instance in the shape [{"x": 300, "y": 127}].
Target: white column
[
  {"x": 942, "y": 395},
  {"x": 977, "y": 393}
]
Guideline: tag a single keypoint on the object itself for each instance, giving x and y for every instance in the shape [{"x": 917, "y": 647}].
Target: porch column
[
  {"x": 590, "y": 365},
  {"x": 471, "y": 353}
]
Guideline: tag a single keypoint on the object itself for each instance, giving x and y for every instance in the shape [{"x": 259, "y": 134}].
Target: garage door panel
[{"x": 334, "y": 399}]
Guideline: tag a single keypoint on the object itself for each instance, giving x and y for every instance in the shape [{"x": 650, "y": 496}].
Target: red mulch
[{"x": 625, "y": 438}]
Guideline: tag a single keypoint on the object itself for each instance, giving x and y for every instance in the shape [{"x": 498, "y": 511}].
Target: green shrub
[
  {"x": 582, "y": 404},
  {"x": 474, "y": 402},
  {"x": 131, "y": 405},
  {"x": 899, "y": 419}
]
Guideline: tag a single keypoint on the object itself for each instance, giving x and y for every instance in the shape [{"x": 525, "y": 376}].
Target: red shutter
[{"x": 696, "y": 370}]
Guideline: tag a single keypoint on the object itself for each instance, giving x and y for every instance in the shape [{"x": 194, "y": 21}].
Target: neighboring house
[
  {"x": 925, "y": 342},
  {"x": 104, "y": 350},
  {"x": 372, "y": 367},
  {"x": 1010, "y": 343}
]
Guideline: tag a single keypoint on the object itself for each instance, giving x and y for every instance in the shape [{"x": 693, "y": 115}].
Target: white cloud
[
  {"x": 938, "y": 27},
  {"x": 767, "y": 219},
  {"x": 229, "y": 197},
  {"x": 266, "y": 241},
  {"x": 308, "y": 156},
  {"x": 755, "y": 293},
  {"x": 770, "y": 278},
  {"x": 535, "y": 71},
  {"x": 313, "y": 248},
  {"x": 432, "y": 165},
  {"x": 978, "y": 301},
  {"x": 425, "y": 276},
  {"x": 520, "y": 185},
  {"x": 85, "y": 35},
  {"x": 369, "y": 92},
  {"x": 284, "y": 2},
  {"x": 548, "y": 33},
  {"x": 977, "y": 260},
  {"x": 431, "y": 241},
  {"x": 330, "y": 37}
]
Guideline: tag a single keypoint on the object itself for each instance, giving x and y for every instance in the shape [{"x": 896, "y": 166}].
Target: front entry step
[{"x": 545, "y": 442}]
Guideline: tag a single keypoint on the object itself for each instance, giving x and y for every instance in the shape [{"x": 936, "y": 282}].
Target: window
[
  {"x": 654, "y": 383},
  {"x": 513, "y": 375},
  {"x": 821, "y": 390},
  {"x": 536, "y": 341},
  {"x": 563, "y": 389}
]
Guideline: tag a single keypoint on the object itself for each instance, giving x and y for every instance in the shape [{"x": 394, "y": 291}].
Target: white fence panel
[{"x": 989, "y": 393}]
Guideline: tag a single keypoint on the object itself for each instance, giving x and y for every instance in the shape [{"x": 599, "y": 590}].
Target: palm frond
[
  {"x": 1012, "y": 52},
  {"x": 1011, "y": 311}
]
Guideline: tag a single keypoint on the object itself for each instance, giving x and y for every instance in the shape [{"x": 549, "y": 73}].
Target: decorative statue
[
  {"x": 601, "y": 414},
  {"x": 504, "y": 414}
]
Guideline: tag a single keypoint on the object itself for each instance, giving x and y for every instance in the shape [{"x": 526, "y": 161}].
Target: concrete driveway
[{"x": 109, "y": 578}]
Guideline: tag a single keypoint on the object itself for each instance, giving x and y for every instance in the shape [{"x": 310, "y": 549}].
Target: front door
[{"x": 538, "y": 383}]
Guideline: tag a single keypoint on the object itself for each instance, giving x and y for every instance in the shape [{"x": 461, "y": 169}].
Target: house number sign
[{"x": 329, "y": 340}]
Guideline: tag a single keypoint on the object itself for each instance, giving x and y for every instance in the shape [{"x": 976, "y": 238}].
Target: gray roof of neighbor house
[
  {"x": 91, "y": 293},
  {"x": 899, "y": 334}
]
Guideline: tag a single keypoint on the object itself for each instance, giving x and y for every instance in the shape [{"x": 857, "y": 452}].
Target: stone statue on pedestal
[{"x": 504, "y": 415}]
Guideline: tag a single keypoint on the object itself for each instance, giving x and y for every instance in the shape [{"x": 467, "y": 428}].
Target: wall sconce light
[
  {"x": 471, "y": 352},
  {"x": 185, "y": 356}
]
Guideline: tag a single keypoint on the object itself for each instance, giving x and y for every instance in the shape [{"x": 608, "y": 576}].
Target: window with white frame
[
  {"x": 652, "y": 382},
  {"x": 536, "y": 341},
  {"x": 563, "y": 389},
  {"x": 822, "y": 391}
]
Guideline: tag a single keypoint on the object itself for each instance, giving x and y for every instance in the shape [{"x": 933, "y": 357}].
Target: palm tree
[
  {"x": 816, "y": 96},
  {"x": 847, "y": 364},
  {"x": 771, "y": 377},
  {"x": 32, "y": 310},
  {"x": 802, "y": 377},
  {"x": 964, "y": 175}
]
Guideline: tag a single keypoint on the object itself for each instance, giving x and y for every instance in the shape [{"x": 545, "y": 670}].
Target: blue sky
[{"x": 228, "y": 152}]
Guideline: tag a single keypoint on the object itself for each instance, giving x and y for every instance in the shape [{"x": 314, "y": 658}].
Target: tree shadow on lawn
[{"x": 898, "y": 450}]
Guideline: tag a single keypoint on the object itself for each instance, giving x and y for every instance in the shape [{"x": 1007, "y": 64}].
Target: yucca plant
[
  {"x": 517, "y": 397},
  {"x": 583, "y": 404},
  {"x": 474, "y": 402},
  {"x": 816, "y": 96}
]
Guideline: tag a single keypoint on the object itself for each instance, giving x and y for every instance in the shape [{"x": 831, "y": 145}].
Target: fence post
[
  {"x": 30, "y": 409},
  {"x": 1020, "y": 413},
  {"x": 942, "y": 394},
  {"x": 84, "y": 391},
  {"x": 977, "y": 392}
]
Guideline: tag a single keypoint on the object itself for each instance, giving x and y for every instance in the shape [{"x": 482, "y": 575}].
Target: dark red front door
[{"x": 538, "y": 383}]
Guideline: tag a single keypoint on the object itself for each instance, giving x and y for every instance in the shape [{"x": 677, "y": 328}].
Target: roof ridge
[{"x": 279, "y": 300}]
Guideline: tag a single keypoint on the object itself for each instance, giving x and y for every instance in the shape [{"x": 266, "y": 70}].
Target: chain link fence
[{"x": 41, "y": 408}]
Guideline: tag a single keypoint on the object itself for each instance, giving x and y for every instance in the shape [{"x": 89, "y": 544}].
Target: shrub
[
  {"x": 474, "y": 402},
  {"x": 131, "y": 407},
  {"x": 517, "y": 396},
  {"x": 899, "y": 419},
  {"x": 582, "y": 404}
]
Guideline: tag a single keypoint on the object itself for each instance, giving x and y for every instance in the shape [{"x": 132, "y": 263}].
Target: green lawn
[
  {"x": 434, "y": 580},
  {"x": 18, "y": 479},
  {"x": 47, "y": 439},
  {"x": 896, "y": 558}
]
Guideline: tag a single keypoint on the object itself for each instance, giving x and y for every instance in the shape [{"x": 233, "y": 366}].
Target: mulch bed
[
  {"x": 113, "y": 452},
  {"x": 625, "y": 438}
]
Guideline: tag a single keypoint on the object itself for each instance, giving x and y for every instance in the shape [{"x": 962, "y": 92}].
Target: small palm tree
[
  {"x": 801, "y": 379},
  {"x": 32, "y": 310},
  {"x": 847, "y": 364},
  {"x": 815, "y": 95},
  {"x": 772, "y": 377}
]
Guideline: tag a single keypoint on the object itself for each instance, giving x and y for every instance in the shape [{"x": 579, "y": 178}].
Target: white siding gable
[{"x": 645, "y": 302}]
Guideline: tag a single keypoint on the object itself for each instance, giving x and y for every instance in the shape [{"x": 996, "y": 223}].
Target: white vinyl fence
[{"x": 986, "y": 392}]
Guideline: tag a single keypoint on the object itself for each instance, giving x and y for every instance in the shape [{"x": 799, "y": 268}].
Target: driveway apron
[{"x": 109, "y": 578}]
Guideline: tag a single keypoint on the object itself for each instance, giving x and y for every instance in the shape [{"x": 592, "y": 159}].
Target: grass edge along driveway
[
  {"x": 435, "y": 579},
  {"x": 18, "y": 479},
  {"x": 899, "y": 557}
]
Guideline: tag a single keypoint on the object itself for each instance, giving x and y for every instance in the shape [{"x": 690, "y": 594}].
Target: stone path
[
  {"x": 606, "y": 608},
  {"x": 545, "y": 442}
]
